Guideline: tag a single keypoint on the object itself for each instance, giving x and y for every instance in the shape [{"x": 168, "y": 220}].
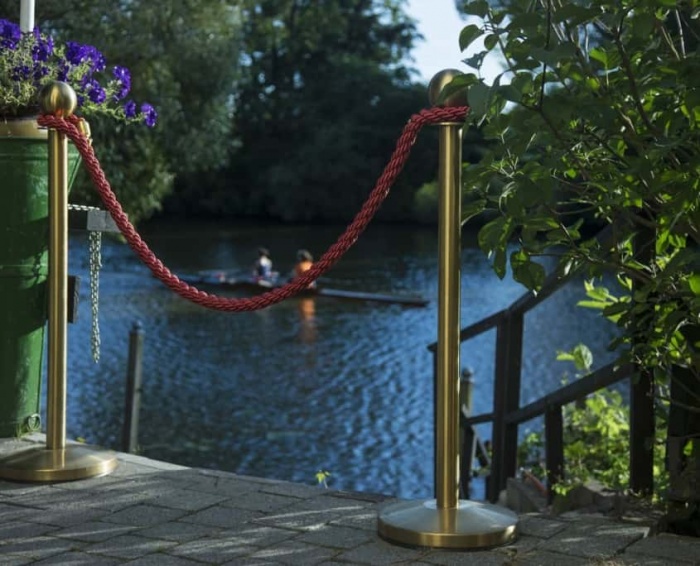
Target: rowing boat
[{"x": 220, "y": 280}]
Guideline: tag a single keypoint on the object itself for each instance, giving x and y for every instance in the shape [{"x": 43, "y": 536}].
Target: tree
[
  {"x": 596, "y": 118},
  {"x": 183, "y": 56},
  {"x": 320, "y": 104}
]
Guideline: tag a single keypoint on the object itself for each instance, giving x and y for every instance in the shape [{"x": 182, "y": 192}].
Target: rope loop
[{"x": 71, "y": 127}]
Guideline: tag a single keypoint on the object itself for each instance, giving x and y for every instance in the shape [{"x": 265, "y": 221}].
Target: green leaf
[
  {"x": 526, "y": 271},
  {"x": 694, "y": 282},
  {"x": 478, "y": 96},
  {"x": 490, "y": 41},
  {"x": 472, "y": 209},
  {"x": 468, "y": 35},
  {"x": 479, "y": 8}
]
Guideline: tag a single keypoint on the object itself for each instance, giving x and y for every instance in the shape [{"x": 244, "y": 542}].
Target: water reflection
[
  {"x": 306, "y": 384},
  {"x": 307, "y": 319}
]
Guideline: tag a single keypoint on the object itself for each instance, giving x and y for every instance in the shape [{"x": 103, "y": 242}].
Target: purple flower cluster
[{"x": 29, "y": 60}]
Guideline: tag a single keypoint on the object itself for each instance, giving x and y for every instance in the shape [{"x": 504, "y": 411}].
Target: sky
[{"x": 440, "y": 24}]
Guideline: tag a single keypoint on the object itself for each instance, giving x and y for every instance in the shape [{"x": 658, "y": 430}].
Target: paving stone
[
  {"x": 160, "y": 559},
  {"x": 217, "y": 485},
  {"x": 261, "y": 501},
  {"x": 546, "y": 558},
  {"x": 293, "y": 490},
  {"x": 129, "y": 546},
  {"x": 459, "y": 557},
  {"x": 539, "y": 527},
  {"x": 365, "y": 519},
  {"x": 300, "y": 519},
  {"x": 381, "y": 552},
  {"x": 178, "y": 531},
  {"x": 336, "y": 537},
  {"x": 37, "y": 547},
  {"x": 292, "y": 552},
  {"x": 10, "y": 561},
  {"x": 93, "y": 531},
  {"x": 78, "y": 559},
  {"x": 224, "y": 517},
  {"x": 144, "y": 515},
  {"x": 188, "y": 500},
  {"x": 67, "y": 515},
  {"x": 595, "y": 539},
  {"x": 667, "y": 546},
  {"x": 13, "y": 531},
  {"x": 213, "y": 550},
  {"x": 261, "y": 535}
]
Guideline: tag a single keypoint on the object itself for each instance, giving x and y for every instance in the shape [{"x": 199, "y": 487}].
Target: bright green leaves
[
  {"x": 694, "y": 283},
  {"x": 493, "y": 239},
  {"x": 581, "y": 356}
]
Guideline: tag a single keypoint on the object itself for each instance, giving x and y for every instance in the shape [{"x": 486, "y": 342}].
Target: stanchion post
[
  {"x": 58, "y": 289},
  {"x": 130, "y": 432},
  {"x": 57, "y": 462},
  {"x": 447, "y": 521}
]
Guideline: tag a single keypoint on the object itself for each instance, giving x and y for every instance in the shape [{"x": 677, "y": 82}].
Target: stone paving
[{"x": 149, "y": 513}]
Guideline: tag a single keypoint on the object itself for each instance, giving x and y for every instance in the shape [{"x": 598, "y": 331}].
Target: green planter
[{"x": 24, "y": 240}]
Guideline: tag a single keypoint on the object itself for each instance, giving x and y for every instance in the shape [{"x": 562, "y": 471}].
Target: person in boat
[
  {"x": 304, "y": 262},
  {"x": 262, "y": 268}
]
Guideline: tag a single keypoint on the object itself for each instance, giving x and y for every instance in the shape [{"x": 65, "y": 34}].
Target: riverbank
[{"x": 149, "y": 512}]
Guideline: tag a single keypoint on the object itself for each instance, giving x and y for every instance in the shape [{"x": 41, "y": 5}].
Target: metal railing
[{"x": 508, "y": 414}]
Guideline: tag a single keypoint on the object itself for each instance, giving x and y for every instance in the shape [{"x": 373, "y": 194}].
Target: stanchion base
[
  {"x": 74, "y": 462},
  {"x": 471, "y": 524}
]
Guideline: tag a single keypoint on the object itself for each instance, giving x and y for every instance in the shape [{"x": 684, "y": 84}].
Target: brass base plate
[
  {"x": 74, "y": 462},
  {"x": 471, "y": 524}
]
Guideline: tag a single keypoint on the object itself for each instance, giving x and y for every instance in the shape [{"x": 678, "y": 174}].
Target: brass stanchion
[
  {"x": 447, "y": 521},
  {"x": 57, "y": 462}
]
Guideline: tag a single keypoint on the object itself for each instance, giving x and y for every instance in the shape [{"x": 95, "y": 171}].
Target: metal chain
[
  {"x": 95, "y": 248},
  {"x": 95, "y": 265}
]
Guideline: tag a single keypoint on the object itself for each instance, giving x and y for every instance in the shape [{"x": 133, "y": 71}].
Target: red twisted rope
[{"x": 381, "y": 190}]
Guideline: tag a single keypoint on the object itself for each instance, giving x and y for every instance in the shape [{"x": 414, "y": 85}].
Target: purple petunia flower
[
  {"x": 149, "y": 114},
  {"x": 124, "y": 78},
  {"x": 43, "y": 46},
  {"x": 62, "y": 70},
  {"x": 10, "y": 34},
  {"x": 78, "y": 54},
  {"x": 21, "y": 72},
  {"x": 95, "y": 92},
  {"x": 32, "y": 59},
  {"x": 130, "y": 109}
]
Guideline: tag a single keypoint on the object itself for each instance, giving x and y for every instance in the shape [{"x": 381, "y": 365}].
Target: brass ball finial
[
  {"x": 58, "y": 98},
  {"x": 438, "y": 82}
]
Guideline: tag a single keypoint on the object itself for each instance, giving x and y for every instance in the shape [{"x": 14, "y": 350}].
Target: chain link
[
  {"x": 95, "y": 265},
  {"x": 95, "y": 247}
]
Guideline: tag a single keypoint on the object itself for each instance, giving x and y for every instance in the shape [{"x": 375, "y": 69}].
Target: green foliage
[
  {"x": 322, "y": 477},
  {"x": 594, "y": 124},
  {"x": 183, "y": 56},
  {"x": 596, "y": 438}
]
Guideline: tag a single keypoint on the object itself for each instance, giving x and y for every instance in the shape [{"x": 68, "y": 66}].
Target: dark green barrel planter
[{"x": 24, "y": 240}]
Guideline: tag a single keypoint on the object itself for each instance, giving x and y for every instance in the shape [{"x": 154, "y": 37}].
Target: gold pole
[
  {"x": 57, "y": 462},
  {"x": 449, "y": 278},
  {"x": 58, "y": 290},
  {"x": 447, "y": 521}
]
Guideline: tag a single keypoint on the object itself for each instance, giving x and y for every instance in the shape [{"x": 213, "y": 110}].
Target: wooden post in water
[{"x": 130, "y": 432}]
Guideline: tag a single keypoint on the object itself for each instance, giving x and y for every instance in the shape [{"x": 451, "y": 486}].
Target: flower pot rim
[{"x": 22, "y": 128}]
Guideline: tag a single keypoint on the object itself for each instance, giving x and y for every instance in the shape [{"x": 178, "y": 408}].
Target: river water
[{"x": 307, "y": 384}]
